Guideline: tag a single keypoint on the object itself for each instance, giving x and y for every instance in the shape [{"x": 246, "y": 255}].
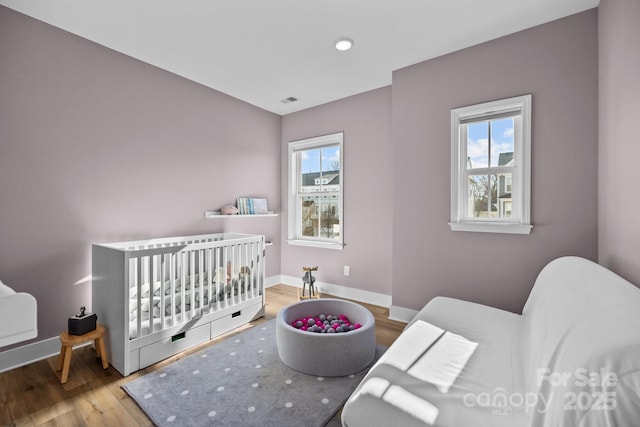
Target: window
[
  {"x": 491, "y": 167},
  {"x": 315, "y": 192}
]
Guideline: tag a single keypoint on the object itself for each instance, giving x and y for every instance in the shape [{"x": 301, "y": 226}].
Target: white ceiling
[{"x": 262, "y": 51}]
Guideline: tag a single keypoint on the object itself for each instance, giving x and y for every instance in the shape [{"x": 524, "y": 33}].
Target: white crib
[{"x": 159, "y": 297}]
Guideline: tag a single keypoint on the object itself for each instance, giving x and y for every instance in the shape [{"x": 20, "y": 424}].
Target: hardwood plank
[
  {"x": 69, "y": 418},
  {"x": 13, "y": 410},
  {"x": 33, "y": 396}
]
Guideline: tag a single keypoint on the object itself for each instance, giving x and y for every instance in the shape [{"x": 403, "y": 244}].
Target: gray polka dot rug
[{"x": 241, "y": 381}]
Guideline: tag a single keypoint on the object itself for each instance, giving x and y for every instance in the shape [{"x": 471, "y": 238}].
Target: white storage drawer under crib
[{"x": 169, "y": 346}]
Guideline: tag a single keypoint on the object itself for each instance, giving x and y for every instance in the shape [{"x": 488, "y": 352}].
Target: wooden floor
[{"x": 33, "y": 396}]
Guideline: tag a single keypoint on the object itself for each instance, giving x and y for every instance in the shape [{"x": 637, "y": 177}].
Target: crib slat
[
  {"x": 200, "y": 281},
  {"x": 183, "y": 279},
  {"x": 138, "y": 296},
  {"x": 256, "y": 269},
  {"x": 163, "y": 278},
  {"x": 225, "y": 263},
  {"x": 152, "y": 284},
  {"x": 247, "y": 271},
  {"x": 232, "y": 274},
  {"x": 192, "y": 284},
  {"x": 172, "y": 277},
  {"x": 235, "y": 263},
  {"x": 239, "y": 266},
  {"x": 199, "y": 295},
  {"x": 260, "y": 253},
  {"x": 210, "y": 272},
  {"x": 251, "y": 266},
  {"x": 218, "y": 276}
]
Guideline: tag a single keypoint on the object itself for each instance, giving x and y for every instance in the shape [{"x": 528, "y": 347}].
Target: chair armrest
[{"x": 18, "y": 318}]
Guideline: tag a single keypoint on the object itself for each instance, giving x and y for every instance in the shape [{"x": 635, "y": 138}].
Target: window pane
[
  {"x": 477, "y": 145},
  {"x": 320, "y": 216},
  {"x": 502, "y": 142},
  {"x": 479, "y": 196},
  {"x": 504, "y": 184},
  {"x": 309, "y": 170},
  {"x": 320, "y": 169},
  {"x": 329, "y": 220},
  {"x": 310, "y": 161},
  {"x": 309, "y": 215},
  {"x": 331, "y": 159}
]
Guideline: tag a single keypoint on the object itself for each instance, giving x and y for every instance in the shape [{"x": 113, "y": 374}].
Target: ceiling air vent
[{"x": 289, "y": 99}]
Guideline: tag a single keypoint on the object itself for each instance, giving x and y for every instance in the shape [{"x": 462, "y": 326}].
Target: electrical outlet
[{"x": 347, "y": 270}]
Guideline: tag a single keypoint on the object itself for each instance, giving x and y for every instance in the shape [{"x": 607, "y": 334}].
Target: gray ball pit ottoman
[{"x": 326, "y": 355}]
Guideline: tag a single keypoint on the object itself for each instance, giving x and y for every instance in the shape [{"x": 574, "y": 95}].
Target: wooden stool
[{"x": 68, "y": 341}]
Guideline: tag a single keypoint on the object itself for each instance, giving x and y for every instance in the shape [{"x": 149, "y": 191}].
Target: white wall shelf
[{"x": 217, "y": 214}]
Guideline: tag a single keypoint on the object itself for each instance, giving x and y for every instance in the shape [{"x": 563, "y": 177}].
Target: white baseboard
[
  {"x": 272, "y": 280},
  {"x": 29, "y": 353},
  {"x": 401, "y": 314},
  {"x": 368, "y": 297}
]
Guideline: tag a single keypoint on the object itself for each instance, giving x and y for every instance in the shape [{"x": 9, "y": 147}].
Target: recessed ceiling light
[{"x": 344, "y": 43}]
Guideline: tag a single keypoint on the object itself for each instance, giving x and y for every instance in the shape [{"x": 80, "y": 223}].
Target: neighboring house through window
[
  {"x": 315, "y": 192},
  {"x": 490, "y": 167}
]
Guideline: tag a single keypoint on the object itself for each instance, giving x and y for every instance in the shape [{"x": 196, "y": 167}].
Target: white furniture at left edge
[{"x": 18, "y": 316}]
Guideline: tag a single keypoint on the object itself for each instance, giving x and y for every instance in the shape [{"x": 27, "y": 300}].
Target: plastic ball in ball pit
[
  {"x": 325, "y": 324},
  {"x": 352, "y": 351}
]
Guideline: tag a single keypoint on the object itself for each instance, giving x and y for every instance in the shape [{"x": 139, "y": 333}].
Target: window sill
[
  {"x": 314, "y": 244},
  {"x": 483, "y": 227}
]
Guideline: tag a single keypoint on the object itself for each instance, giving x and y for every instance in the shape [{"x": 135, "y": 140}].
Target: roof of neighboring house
[
  {"x": 505, "y": 158},
  {"x": 309, "y": 179}
]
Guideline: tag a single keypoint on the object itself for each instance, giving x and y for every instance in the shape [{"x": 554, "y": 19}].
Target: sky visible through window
[
  {"x": 330, "y": 159},
  {"x": 502, "y": 141}
]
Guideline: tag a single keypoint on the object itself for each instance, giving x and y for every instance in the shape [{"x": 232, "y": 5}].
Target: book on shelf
[
  {"x": 252, "y": 206},
  {"x": 260, "y": 206}
]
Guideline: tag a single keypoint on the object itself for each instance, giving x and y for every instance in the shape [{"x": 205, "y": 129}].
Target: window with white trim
[
  {"x": 491, "y": 167},
  {"x": 315, "y": 192}
]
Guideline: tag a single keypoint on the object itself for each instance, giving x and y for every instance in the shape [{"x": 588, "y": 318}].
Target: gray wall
[
  {"x": 96, "y": 146},
  {"x": 619, "y": 149},
  {"x": 557, "y": 64},
  {"x": 365, "y": 120}
]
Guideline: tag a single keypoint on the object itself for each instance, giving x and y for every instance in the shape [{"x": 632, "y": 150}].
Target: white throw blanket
[{"x": 425, "y": 352}]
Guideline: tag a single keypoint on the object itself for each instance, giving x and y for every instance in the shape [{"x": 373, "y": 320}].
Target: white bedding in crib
[{"x": 201, "y": 300}]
